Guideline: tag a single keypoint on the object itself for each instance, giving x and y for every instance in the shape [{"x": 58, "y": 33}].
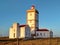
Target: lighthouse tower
[{"x": 32, "y": 19}]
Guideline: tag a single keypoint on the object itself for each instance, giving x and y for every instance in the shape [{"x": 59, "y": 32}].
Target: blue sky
[{"x": 15, "y": 11}]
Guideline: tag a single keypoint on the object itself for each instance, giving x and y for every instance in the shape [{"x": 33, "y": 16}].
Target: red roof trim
[
  {"x": 42, "y": 30},
  {"x": 22, "y": 25}
]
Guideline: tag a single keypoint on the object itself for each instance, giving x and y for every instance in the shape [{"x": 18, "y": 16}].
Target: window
[
  {"x": 30, "y": 14},
  {"x": 40, "y": 34},
  {"x": 14, "y": 34},
  {"x": 30, "y": 21}
]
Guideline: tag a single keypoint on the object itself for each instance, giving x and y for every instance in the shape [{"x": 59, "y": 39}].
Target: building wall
[
  {"x": 32, "y": 19},
  {"x": 28, "y": 32},
  {"x": 25, "y": 32},
  {"x": 22, "y": 32},
  {"x": 19, "y": 32},
  {"x": 14, "y": 31},
  {"x": 42, "y": 34},
  {"x": 11, "y": 33}
]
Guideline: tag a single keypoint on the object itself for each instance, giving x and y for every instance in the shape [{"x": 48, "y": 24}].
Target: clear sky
[{"x": 15, "y": 11}]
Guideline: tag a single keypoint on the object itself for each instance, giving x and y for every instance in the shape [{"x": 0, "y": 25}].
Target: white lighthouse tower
[{"x": 32, "y": 19}]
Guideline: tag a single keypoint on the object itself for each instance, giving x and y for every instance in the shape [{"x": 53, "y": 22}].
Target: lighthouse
[
  {"x": 31, "y": 28},
  {"x": 32, "y": 19}
]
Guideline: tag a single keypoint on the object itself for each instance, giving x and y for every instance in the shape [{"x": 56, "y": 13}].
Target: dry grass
[{"x": 42, "y": 41}]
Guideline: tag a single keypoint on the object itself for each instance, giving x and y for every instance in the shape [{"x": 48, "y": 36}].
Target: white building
[
  {"x": 14, "y": 31},
  {"x": 24, "y": 31},
  {"x": 19, "y": 31},
  {"x": 31, "y": 29},
  {"x": 32, "y": 19},
  {"x": 43, "y": 33}
]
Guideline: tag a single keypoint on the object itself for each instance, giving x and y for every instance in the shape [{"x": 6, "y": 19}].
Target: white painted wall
[
  {"x": 45, "y": 34},
  {"x": 32, "y": 15},
  {"x": 10, "y": 33},
  {"x": 14, "y": 31},
  {"x": 25, "y": 32},
  {"x": 22, "y": 32}
]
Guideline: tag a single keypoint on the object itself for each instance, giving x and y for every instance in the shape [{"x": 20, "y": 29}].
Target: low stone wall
[{"x": 42, "y": 41}]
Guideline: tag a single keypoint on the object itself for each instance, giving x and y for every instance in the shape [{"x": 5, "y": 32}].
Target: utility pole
[
  {"x": 50, "y": 40},
  {"x": 17, "y": 41}
]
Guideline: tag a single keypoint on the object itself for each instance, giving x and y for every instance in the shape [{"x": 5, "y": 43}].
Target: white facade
[
  {"x": 14, "y": 31},
  {"x": 44, "y": 33},
  {"x": 25, "y": 31},
  {"x": 32, "y": 19},
  {"x": 31, "y": 29},
  {"x": 19, "y": 31}
]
